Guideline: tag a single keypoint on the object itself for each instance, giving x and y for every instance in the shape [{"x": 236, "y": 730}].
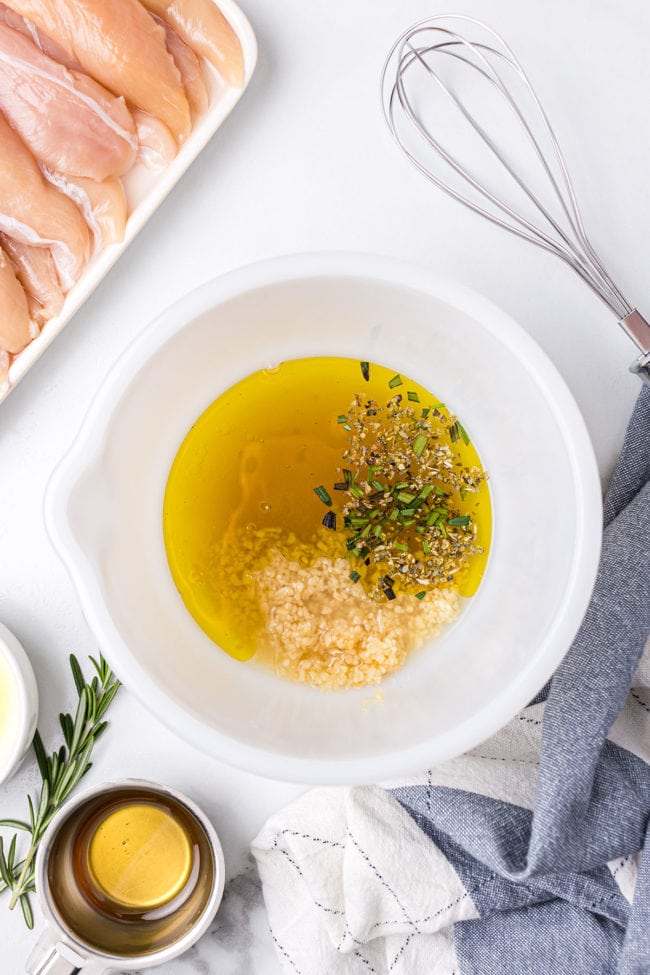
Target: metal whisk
[{"x": 433, "y": 58}]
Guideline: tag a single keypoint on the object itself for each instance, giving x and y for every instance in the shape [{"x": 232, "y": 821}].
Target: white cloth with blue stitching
[{"x": 353, "y": 886}]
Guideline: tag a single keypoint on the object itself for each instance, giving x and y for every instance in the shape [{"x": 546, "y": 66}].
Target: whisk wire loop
[{"x": 414, "y": 56}]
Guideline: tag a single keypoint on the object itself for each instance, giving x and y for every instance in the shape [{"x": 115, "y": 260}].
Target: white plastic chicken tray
[{"x": 146, "y": 190}]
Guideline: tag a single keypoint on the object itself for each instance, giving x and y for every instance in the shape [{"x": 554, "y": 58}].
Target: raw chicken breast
[
  {"x": 15, "y": 331},
  {"x": 189, "y": 67},
  {"x": 67, "y": 120},
  {"x": 118, "y": 44},
  {"x": 36, "y": 271},
  {"x": 102, "y": 204},
  {"x": 41, "y": 40},
  {"x": 202, "y": 25},
  {"x": 34, "y": 212},
  {"x": 157, "y": 145}
]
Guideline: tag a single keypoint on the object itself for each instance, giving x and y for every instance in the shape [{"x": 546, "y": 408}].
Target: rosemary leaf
[
  {"x": 77, "y": 674},
  {"x": 32, "y": 818},
  {"x": 41, "y": 757},
  {"x": 11, "y": 853},
  {"x": 66, "y": 728},
  {"x": 79, "y": 722},
  {"x": 7, "y": 877},
  {"x": 26, "y": 908},
  {"x": 15, "y": 824},
  {"x": 43, "y": 802}
]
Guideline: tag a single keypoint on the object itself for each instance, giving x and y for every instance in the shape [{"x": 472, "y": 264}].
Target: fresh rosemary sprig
[{"x": 60, "y": 772}]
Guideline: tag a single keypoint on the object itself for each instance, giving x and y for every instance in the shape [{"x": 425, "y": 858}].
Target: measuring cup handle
[{"x": 54, "y": 955}]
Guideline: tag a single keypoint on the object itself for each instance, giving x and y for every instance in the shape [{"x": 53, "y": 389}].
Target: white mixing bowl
[{"x": 104, "y": 514}]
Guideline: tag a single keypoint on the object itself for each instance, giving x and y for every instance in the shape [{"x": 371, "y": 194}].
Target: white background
[{"x": 305, "y": 163}]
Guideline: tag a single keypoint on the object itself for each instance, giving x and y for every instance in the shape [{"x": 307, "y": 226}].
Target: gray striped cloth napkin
[{"x": 525, "y": 855}]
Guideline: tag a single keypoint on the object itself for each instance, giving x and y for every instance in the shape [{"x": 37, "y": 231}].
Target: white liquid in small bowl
[{"x": 18, "y": 704}]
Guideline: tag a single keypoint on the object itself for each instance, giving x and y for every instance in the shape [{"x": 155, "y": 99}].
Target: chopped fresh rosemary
[
  {"x": 404, "y": 487},
  {"x": 329, "y": 521},
  {"x": 365, "y": 370},
  {"x": 322, "y": 493}
]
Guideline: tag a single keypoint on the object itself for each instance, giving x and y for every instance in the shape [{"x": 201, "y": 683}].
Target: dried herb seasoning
[{"x": 404, "y": 484}]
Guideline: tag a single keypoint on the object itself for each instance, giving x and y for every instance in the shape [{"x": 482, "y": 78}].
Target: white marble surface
[{"x": 303, "y": 164}]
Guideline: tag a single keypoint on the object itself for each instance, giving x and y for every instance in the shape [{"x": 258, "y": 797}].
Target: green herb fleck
[
  {"x": 365, "y": 371},
  {"x": 420, "y": 444},
  {"x": 323, "y": 495},
  {"x": 463, "y": 432},
  {"x": 395, "y": 381},
  {"x": 354, "y": 575},
  {"x": 405, "y": 497}
]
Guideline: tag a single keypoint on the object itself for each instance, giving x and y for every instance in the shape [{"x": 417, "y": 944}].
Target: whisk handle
[{"x": 638, "y": 329}]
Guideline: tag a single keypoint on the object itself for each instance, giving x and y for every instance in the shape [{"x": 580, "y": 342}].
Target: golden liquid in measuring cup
[{"x": 131, "y": 871}]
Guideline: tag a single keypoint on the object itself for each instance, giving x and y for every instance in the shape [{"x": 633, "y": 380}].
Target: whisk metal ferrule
[{"x": 638, "y": 330}]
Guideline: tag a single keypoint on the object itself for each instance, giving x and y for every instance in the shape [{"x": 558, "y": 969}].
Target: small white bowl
[
  {"x": 18, "y": 704},
  {"x": 104, "y": 515}
]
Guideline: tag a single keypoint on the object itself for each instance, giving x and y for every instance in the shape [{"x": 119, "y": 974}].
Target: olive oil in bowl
[
  {"x": 311, "y": 495},
  {"x": 130, "y": 871}
]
